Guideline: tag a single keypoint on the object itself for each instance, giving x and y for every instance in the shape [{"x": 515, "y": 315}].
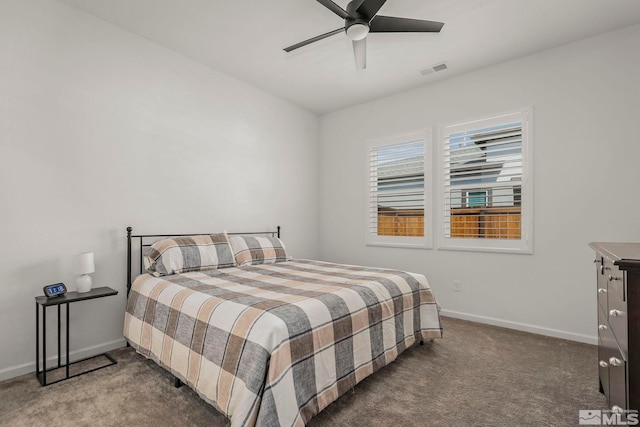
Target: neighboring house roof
[{"x": 407, "y": 166}]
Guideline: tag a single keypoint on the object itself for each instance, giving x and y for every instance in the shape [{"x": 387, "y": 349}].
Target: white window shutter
[
  {"x": 486, "y": 191},
  {"x": 398, "y": 193}
]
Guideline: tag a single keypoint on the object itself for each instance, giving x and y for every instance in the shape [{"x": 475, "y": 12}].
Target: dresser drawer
[
  {"x": 612, "y": 369},
  {"x": 606, "y": 342},
  {"x": 617, "y": 314},
  {"x": 603, "y": 322},
  {"x": 617, "y": 381},
  {"x": 602, "y": 284},
  {"x": 616, "y": 282}
]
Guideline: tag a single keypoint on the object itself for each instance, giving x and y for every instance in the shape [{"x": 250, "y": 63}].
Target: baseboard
[
  {"x": 16, "y": 371},
  {"x": 588, "y": 339}
]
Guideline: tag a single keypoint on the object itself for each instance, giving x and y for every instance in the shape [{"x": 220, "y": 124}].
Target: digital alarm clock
[{"x": 56, "y": 290}]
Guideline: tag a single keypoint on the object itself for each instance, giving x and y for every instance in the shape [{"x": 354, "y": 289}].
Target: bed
[{"x": 266, "y": 339}]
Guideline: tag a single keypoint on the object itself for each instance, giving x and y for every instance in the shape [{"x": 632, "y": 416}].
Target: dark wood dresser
[{"x": 618, "y": 287}]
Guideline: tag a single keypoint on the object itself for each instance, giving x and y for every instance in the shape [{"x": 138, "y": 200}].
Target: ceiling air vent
[{"x": 434, "y": 69}]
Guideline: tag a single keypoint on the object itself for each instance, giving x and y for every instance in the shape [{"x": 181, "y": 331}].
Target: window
[
  {"x": 485, "y": 190},
  {"x": 399, "y": 190}
]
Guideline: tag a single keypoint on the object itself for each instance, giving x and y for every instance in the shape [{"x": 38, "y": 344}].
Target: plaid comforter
[{"x": 273, "y": 345}]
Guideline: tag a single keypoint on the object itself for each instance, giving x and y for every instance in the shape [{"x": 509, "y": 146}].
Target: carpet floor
[{"x": 477, "y": 375}]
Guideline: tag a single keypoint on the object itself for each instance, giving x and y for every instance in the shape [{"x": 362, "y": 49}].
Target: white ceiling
[{"x": 245, "y": 38}]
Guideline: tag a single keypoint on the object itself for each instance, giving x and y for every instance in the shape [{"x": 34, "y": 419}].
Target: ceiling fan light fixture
[{"x": 357, "y": 31}]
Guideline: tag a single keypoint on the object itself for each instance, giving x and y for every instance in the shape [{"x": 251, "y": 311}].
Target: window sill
[
  {"x": 399, "y": 245},
  {"x": 488, "y": 249}
]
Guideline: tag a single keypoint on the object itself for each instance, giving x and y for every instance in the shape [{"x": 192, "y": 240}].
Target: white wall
[
  {"x": 101, "y": 129},
  {"x": 586, "y": 100}
]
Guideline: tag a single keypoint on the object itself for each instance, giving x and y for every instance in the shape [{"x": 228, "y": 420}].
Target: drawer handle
[
  {"x": 602, "y": 291},
  {"x": 611, "y": 278},
  {"x": 602, "y": 327},
  {"x": 614, "y": 361},
  {"x": 616, "y": 313},
  {"x": 603, "y": 364}
]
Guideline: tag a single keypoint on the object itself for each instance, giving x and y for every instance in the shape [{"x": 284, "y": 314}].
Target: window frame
[
  {"x": 421, "y": 242},
  {"x": 524, "y": 245}
]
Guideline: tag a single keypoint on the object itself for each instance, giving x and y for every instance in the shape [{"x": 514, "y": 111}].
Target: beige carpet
[{"x": 477, "y": 375}]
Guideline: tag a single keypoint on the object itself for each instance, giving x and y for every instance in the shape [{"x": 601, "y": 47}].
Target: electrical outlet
[{"x": 457, "y": 286}]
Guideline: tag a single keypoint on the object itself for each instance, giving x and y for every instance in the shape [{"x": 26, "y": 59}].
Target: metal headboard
[{"x": 146, "y": 240}]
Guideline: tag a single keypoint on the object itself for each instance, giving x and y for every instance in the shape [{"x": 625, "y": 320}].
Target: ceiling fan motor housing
[
  {"x": 356, "y": 28},
  {"x": 356, "y": 25}
]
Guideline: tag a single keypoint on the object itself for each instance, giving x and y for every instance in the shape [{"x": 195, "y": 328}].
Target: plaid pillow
[
  {"x": 254, "y": 250},
  {"x": 189, "y": 253}
]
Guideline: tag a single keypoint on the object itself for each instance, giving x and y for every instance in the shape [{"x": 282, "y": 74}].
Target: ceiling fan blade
[
  {"x": 369, "y": 8},
  {"x": 391, "y": 24},
  {"x": 360, "y": 52},
  {"x": 313, "y": 39},
  {"x": 334, "y": 8}
]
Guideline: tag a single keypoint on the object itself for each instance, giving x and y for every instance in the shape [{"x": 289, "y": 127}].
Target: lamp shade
[{"x": 83, "y": 263}]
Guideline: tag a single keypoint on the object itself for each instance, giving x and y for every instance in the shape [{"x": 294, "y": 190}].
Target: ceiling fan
[{"x": 360, "y": 19}]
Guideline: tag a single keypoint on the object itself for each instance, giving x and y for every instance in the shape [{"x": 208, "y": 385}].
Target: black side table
[{"x": 65, "y": 299}]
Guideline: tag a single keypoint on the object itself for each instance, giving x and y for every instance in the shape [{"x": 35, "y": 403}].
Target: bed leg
[{"x": 176, "y": 382}]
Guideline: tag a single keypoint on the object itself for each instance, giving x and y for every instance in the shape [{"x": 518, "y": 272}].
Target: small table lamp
[{"x": 83, "y": 265}]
